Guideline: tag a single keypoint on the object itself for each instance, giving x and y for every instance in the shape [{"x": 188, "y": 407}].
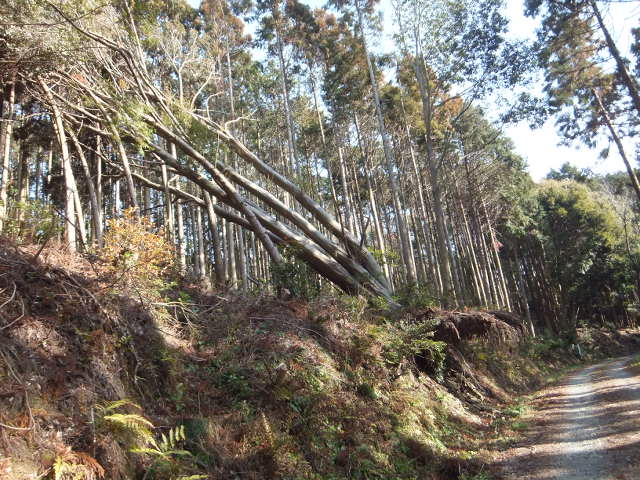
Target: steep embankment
[{"x": 96, "y": 384}]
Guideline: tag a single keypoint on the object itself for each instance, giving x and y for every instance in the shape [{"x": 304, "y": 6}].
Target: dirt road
[{"x": 586, "y": 428}]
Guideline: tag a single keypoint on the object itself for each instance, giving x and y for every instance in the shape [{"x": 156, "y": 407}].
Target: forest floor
[
  {"x": 95, "y": 383},
  {"x": 585, "y": 427}
]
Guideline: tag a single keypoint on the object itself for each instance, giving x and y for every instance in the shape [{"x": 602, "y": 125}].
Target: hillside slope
[{"x": 95, "y": 384}]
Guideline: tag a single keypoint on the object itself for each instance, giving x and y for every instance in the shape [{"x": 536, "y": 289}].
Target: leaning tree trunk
[
  {"x": 607, "y": 119},
  {"x": 96, "y": 214},
  {"x": 628, "y": 81}
]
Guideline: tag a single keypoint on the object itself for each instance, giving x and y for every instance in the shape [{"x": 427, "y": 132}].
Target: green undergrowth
[
  {"x": 318, "y": 391},
  {"x": 97, "y": 385}
]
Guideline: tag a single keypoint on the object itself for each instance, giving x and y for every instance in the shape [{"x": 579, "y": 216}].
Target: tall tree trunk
[
  {"x": 291, "y": 141},
  {"x": 215, "y": 240},
  {"x": 389, "y": 157},
  {"x": 202, "y": 262},
  {"x": 6, "y": 134},
  {"x": 117, "y": 202},
  {"x": 96, "y": 214},
  {"x": 69, "y": 179},
  {"x": 373, "y": 203},
  {"x": 168, "y": 204},
  {"x": 80, "y": 223},
  {"x": 99, "y": 194},
  {"x": 434, "y": 178},
  {"x": 230, "y": 253},
  {"x": 346, "y": 198},
  {"x": 49, "y": 164},
  {"x": 37, "y": 188},
  {"x": 22, "y": 185},
  {"x": 182, "y": 255},
  {"x": 124, "y": 158},
  {"x": 523, "y": 291}
]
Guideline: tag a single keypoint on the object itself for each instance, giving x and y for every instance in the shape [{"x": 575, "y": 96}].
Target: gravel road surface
[{"x": 586, "y": 428}]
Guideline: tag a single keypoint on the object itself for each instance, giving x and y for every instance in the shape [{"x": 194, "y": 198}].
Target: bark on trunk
[
  {"x": 434, "y": 178},
  {"x": 607, "y": 119},
  {"x": 6, "y": 130},
  {"x": 96, "y": 214},
  {"x": 390, "y": 161},
  {"x": 69, "y": 179}
]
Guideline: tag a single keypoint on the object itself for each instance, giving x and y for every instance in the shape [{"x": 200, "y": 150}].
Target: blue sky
[{"x": 541, "y": 147}]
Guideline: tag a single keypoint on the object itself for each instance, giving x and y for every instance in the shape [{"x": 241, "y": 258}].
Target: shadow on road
[{"x": 588, "y": 427}]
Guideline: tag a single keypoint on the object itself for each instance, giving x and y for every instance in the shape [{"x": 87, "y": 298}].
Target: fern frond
[
  {"x": 136, "y": 424},
  {"x": 182, "y": 453},
  {"x": 111, "y": 406},
  {"x": 146, "y": 450},
  {"x": 161, "y": 453},
  {"x": 176, "y": 435},
  {"x": 129, "y": 420}
]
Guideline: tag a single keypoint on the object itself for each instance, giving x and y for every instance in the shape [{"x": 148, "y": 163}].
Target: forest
[
  {"x": 266, "y": 239},
  {"x": 296, "y": 160}
]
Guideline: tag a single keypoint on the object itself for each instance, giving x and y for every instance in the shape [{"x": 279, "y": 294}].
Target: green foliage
[
  {"x": 546, "y": 346},
  {"x": 417, "y": 296},
  {"x": 413, "y": 342},
  {"x": 583, "y": 241},
  {"x": 387, "y": 257},
  {"x": 168, "y": 459},
  {"x": 130, "y": 119},
  {"x": 515, "y": 410},
  {"x": 571, "y": 51},
  {"x": 230, "y": 378},
  {"x": 167, "y": 446},
  {"x": 295, "y": 275},
  {"x": 184, "y": 297},
  {"x": 33, "y": 222},
  {"x": 130, "y": 422},
  {"x": 133, "y": 429},
  {"x": 570, "y": 172},
  {"x": 587, "y": 250},
  {"x": 166, "y": 452}
]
